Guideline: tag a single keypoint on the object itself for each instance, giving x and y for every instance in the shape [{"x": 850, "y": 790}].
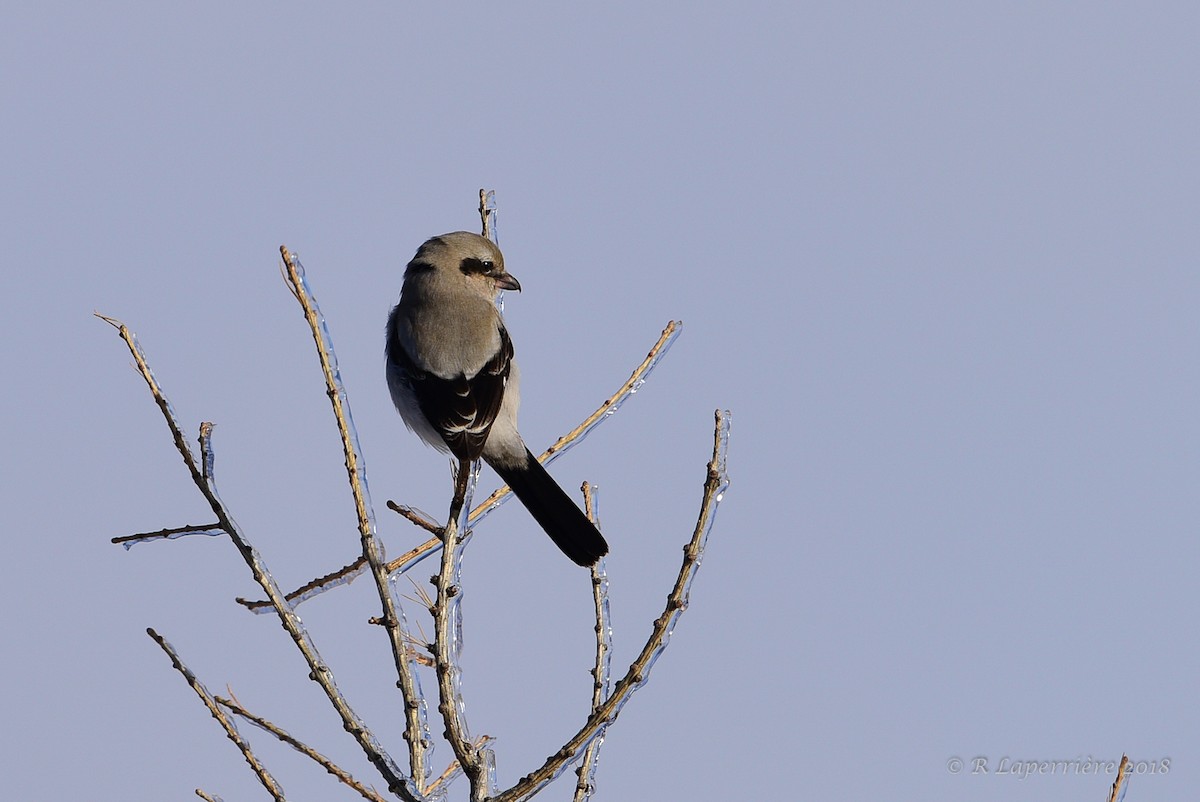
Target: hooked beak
[{"x": 506, "y": 281}]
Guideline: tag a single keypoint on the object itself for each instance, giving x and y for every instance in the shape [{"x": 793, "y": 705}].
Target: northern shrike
[{"x": 452, "y": 376}]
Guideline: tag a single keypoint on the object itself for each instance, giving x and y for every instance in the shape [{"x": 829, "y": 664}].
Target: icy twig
[
  {"x": 207, "y": 797},
  {"x": 259, "y": 769},
  {"x": 210, "y": 530},
  {"x": 417, "y": 517},
  {"x": 234, "y": 707},
  {"x": 487, "y": 213},
  {"x": 410, "y": 558},
  {"x": 163, "y": 404},
  {"x": 318, "y": 670},
  {"x": 348, "y": 573},
  {"x": 414, "y": 731},
  {"x": 446, "y": 641},
  {"x": 602, "y": 669},
  {"x": 315, "y": 587},
  {"x": 714, "y": 487},
  {"x": 1118, "y": 786}
]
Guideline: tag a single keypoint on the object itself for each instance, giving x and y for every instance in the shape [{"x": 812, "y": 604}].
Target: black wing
[{"x": 461, "y": 409}]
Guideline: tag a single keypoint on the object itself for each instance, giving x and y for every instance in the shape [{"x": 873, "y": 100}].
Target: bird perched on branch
[{"x": 452, "y": 376}]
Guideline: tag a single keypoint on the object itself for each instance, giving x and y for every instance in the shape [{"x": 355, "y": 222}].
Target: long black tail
[{"x": 553, "y": 509}]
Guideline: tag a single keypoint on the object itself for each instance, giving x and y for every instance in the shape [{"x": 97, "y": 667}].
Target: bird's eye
[{"x": 472, "y": 265}]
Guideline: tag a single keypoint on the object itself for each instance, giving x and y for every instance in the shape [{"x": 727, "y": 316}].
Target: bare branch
[
  {"x": 259, "y": 769},
  {"x": 341, "y": 576},
  {"x": 586, "y": 772},
  {"x": 207, "y": 797},
  {"x": 163, "y": 404},
  {"x": 236, "y": 708},
  {"x": 210, "y": 530},
  {"x": 207, "y": 457},
  {"x": 318, "y": 670},
  {"x": 714, "y": 487},
  {"x": 417, "y": 517},
  {"x": 446, "y": 638},
  {"x": 487, "y": 213},
  {"x": 415, "y": 732}
]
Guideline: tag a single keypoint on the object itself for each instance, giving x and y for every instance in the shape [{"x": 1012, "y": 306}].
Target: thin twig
[
  {"x": 1119, "y": 782},
  {"x": 446, "y": 640},
  {"x": 373, "y": 552},
  {"x": 586, "y": 772},
  {"x": 233, "y": 706},
  {"x": 242, "y": 744},
  {"x": 410, "y": 558},
  {"x": 487, "y": 213},
  {"x": 417, "y": 517},
  {"x": 211, "y": 530},
  {"x": 207, "y": 797},
  {"x": 341, "y": 576},
  {"x": 163, "y": 404},
  {"x": 714, "y": 487},
  {"x": 207, "y": 458},
  {"x": 318, "y": 670}
]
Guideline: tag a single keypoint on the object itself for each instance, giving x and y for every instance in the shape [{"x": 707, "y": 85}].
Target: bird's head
[{"x": 461, "y": 256}]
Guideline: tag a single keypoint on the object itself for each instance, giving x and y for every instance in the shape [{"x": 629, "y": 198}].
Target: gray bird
[{"x": 452, "y": 376}]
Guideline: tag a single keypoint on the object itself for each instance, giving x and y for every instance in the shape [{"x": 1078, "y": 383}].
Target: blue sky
[{"x": 939, "y": 260}]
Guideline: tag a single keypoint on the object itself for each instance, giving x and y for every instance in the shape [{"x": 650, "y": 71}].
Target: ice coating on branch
[
  {"x": 593, "y": 764},
  {"x": 451, "y": 602},
  {"x": 343, "y": 578},
  {"x": 168, "y": 534},
  {"x": 606, "y": 634},
  {"x": 489, "y": 209},
  {"x": 603, "y": 668},
  {"x": 591, "y": 749},
  {"x": 455, "y": 601},
  {"x": 603, "y": 619},
  {"x": 488, "y": 756}
]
